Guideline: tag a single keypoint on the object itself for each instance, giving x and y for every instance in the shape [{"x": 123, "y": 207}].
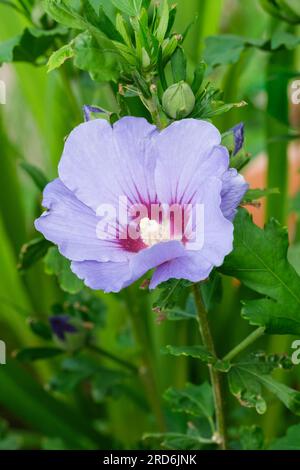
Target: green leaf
[
  {"x": 63, "y": 13},
  {"x": 35, "y": 354},
  {"x": 170, "y": 293},
  {"x": 198, "y": 352},
  {"x": 178, "y": 63},
  {"x": 123, "y": 30},
  {"x": 218, "y": 107},
  {"x": 60, "y": 56},
  {"x": 163, "y": 22},
  {"x": 259, "y": 260},
  {"x": 283, "y": 39},
  {"x": 198, "y": 77},
  {"x": 32, "y": 252},
  {"x": 56, "y": 264},
  {"x": 195, "y": 400},
  {"x": 179, "y": 441},
  {"x": 89, "y": 56},
  {"x": 247, "y": 378},
  {"x": 294, "y": 257},
  {"x": 74, "y": 370},
  {"x": 107, "y": 382},
  {"x": 211, "y": 291},
  {"x": 251, "y": 438},
  {"x": 40, "y": 329},
  {"x": 290, "y": 441},
  {"x": 36, "y": 174},
  {"x": 30, "y": 46},
  {"x": 223, "y": 49},
  {"x": 100, "y": 20},
  {"x": 254, "y": 194},
  {"x": 176, "y": 314},
  {"x": 130, "y": 7},
  {"x": 227, "y": 49},
  {"x": 287, "y": 10},
  {"x": 7, "y": 49}
]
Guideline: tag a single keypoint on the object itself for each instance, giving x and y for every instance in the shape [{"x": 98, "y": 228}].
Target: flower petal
[
  {"x": 101, "y": 163},
  {"x": 188, "y": 152},
  {"x": 72, "y": 226},
  {"x": 233, "y": 190},
  {"x": 112, "y": 277},
  {"x": 109, "y": 277},
  {"x": 202, "y": 256},
  {"x": 191, "y": 267}
]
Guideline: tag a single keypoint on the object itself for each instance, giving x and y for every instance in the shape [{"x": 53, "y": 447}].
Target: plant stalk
[
  {"x": 215, "y": 376},
  {"x": 113, "y": 358},
  {"x": 146, "y": 371},
  {"x": 244, "y": 344}
]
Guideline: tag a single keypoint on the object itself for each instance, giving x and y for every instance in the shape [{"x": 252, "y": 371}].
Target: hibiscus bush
[{"x": 150, "y": 286}]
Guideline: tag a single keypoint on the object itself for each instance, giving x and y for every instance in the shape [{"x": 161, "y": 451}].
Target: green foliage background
[{"x": 90, "y": 400}]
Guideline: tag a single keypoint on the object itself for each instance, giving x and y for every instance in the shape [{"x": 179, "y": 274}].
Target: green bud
[
  {"x": 178, "y": 100},
  {"x": 74, "y": 341},
  {"x": 146, "y": 61}
]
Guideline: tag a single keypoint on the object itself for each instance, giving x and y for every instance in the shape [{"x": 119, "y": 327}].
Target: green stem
[
  {"x": 137, "y": 314},
  {"x": 152, "y": 105},
  {"x": 113, "y": 358},
  {"x": 215, "y": 377},
  {"x": 244, "y": 344}
]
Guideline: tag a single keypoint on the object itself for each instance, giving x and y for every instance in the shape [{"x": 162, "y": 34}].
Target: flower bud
[{"x": 178, "y": 100}]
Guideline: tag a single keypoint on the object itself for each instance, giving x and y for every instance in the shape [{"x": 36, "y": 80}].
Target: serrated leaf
[
  {"x": 197, "y": 352},
  {"x": 29, "y": 46},
  {"x": 195, "y": 400},
  {"x": 56, "y": 264},
  {"x": 63, "y": 13},
  {"x": 179, "y": 441},
  {"x": 227, "y": 49},
  {"x": 259, "y": 260},
  {"x": 247, "y": 378},
  {"x": 223, "y": 49},
  {"x": 254, "y": 194},
  {"x": 60, "y": 56},
  {"x": 35, "y": 354},
  {"x": 32, "y": 252},
  {"x": 284, "y": 39},
  {"x": 89, "y": 56},
  {"x": 290, "y": 441},
  {"x": 170, "y": 293}
]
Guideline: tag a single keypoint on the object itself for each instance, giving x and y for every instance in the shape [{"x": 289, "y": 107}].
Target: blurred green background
[{"x": 38, "y": 409}]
